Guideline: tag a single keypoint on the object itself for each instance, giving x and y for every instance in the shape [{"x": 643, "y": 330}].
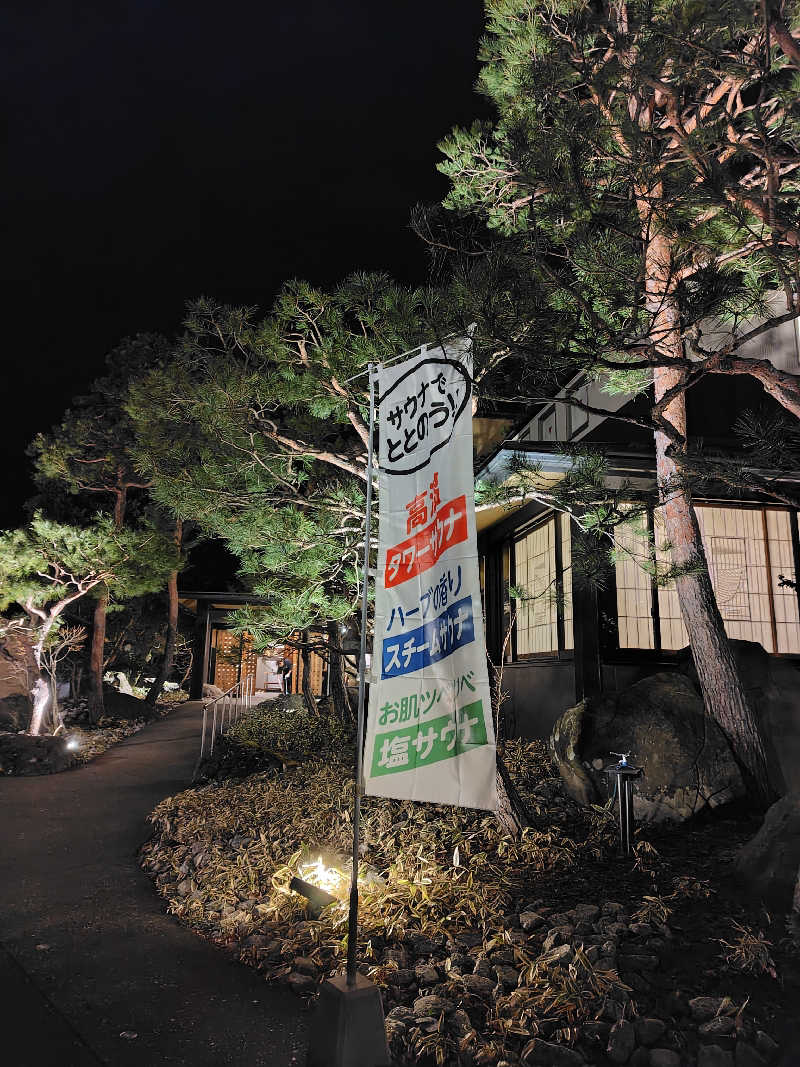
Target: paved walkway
[{"x": 87, "y": 952}]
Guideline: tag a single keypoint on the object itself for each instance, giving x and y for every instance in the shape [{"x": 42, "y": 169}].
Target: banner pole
[{"x": 352, "y": 926}]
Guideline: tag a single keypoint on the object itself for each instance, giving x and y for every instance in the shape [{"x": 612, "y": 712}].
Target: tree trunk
[
  {"x": 40, "y": 695},
  {"x": 717, "y": 672},
  {"x": 96, "y": 705},
  {"x": 305, "y": 671},
  {"x": 171, "y": 640},
  {"x": 512, "y": 814},
  {"x": 341, "y": 702},
  {"x": 40, "y": 690}
]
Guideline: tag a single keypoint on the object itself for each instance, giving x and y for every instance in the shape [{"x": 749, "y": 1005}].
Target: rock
[
  {"x": 596, "y": 1030},
  {"x": 123, "y": 708},
  {"x": 648, "y": 1031},
  {"x": 507, "y": 976},
  {"x": 664, "y": 1057},
  {"x": 640, "y": 1058},
  {"x": 559, "y": 935},
  {"x": 432, "y": 1005},
  {"x": 621, "y": 1042},
  {"x": 586, "y": 912},
  {"x": 403, "y": 977},
  {"x": 401, "y": 1013},
  {"x": 746, "y": 1056},
  {"x": 21, "y": 754},
  {"x": 768, "y": 864},
  {"x": 426, "y": 974},
  {"x": 466, "y": 940},
  {"x": 301, "y": 983},
  {"x": 560, "y": 954},
  {"x": 477, "y": 983},
  {"x": 765, "y": 1045},
  {"x": 718, "y": 1027},
  {"x": 303, "y": 965},
  {"x": 483, "y": 967},
  {"x": 772, "y": 685},
  {"x": 530, "y": 920},
  {"x": 459, "y": 1024},
  {"x": 15, "y": 712},
  {"x": 18, "y": 671},
  {"x": 210, "y": 692},
  {"x": 704, "y": 1008},
  {"x": 714, "y": 1056},
  {"x": 611, "y": 907},
  {"x": 638, "y": 962},
  {"x": 423, "y": 946},
  {"x": 538, "y": 1053},
  {"x": 687, "y": 761}
]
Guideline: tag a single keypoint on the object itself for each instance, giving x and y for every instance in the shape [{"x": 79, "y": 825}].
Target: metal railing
[{"x": 221, "y": 712}]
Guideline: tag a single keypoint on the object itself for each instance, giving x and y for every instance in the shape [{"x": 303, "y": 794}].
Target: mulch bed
[{"x": 550, "y": 949}]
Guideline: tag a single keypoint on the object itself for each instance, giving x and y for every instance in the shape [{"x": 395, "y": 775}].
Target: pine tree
[
  {"x": 642, "y": 174},
  {"x": 257, "y": 430},
  {"x": 89, "y": 454},
  {"x": 48, "y": 566}
]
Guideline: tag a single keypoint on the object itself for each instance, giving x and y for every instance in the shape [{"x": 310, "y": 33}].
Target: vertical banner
[{"x": 429, "y": 727}]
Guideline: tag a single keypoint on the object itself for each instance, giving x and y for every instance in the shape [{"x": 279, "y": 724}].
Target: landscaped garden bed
[
  {"x": 549, "y": 949},
  {"x": 80, "y": 742}
]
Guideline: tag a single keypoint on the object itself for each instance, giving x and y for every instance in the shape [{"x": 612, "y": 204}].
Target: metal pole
[
  {"x": 352, "y": 926},
  {"x": 203, "y": 738},
  {"x": 214, "y": 728}
]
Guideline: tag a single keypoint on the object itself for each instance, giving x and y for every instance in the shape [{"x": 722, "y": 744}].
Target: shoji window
[
  {"x": 535, "y": 562},
  {"x": 634, "y": 585},
  {"x": 747, "y": 549}
]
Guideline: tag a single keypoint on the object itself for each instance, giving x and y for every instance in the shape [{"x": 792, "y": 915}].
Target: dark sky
[{"x": 157, "y": 151}]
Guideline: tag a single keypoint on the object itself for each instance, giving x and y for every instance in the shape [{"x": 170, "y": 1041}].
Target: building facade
[{"x": 564, "y": 641}]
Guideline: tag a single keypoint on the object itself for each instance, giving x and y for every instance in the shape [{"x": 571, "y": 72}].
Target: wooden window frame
[{"x": 561, "y": 652}]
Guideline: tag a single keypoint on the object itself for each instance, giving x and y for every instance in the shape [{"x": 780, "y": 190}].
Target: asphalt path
[{"x": 92, "y": 969}]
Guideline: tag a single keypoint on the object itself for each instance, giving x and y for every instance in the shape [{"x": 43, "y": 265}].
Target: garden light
[
  {"x": 329, "y": 879},
  {"x": 73, "y": 744}
]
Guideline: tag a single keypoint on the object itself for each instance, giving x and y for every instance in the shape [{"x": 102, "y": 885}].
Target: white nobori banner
[{"x": 429, "y": 727}]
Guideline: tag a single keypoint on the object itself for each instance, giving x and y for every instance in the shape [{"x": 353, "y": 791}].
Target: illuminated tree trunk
[
  {"x": 96, "y": 705},
  {"x": 723, "y": 693}
]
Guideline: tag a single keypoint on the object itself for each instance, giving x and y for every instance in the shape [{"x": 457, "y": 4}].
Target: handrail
[{"x": 228, "y": 708}]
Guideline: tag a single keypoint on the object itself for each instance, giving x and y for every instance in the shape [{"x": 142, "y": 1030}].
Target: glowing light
[
  {"x": 73, "y": 744},
  {"x": 331, "y": 879}
]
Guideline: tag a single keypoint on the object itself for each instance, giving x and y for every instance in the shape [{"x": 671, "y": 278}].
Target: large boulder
[
  {"x": 768, "y": 864},
  {"x": 21, "y": 754},
  {"x": 773, "y": 688},
  {"x": 125, "y": 708},
  {"x": 18, "y": 672},
  {"x": 662, "y": 723}
]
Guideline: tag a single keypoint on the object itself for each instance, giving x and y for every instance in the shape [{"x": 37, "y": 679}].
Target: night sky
[{"x": 160, "y": 151}]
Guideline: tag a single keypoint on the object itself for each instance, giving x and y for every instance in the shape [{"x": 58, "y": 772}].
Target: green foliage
[
  {"x": 288, "y": 727},
  {"x": 617, "y": 126},
  {"x": 90, "y": 450},
  {"x": 255, "y": 429},
  {"x": 49, "y": 563}
]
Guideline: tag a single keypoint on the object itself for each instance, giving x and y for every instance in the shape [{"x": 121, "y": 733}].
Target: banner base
[{"x": 347, "y": 1029}]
